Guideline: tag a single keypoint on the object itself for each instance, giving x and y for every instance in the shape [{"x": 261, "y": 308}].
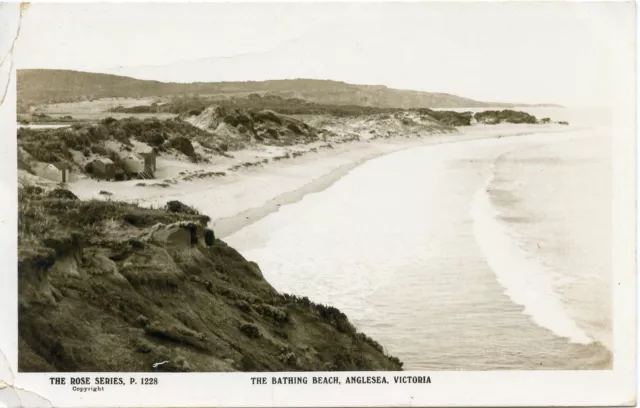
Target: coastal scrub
[{"x": 110, "y": 286}]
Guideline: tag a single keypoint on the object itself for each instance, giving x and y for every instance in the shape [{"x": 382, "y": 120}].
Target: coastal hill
[
  {"x": 110, "y": 286},
  {"x": 44, "y": 86}
]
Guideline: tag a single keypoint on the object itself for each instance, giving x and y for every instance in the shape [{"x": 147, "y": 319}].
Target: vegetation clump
[
  {"x": 183, "y": 145},
  {"x": 245, "y": 126},
  {"x": 492, "y": 117},
  {"x": 450, "y": 118},
  {"x": 250, "y": 330},
  {"x": 62, "y": 194},
  {"x": 176, "y": 206}
]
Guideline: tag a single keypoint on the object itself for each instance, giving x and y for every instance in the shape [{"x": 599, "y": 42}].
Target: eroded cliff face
[{"x": 109, "y": 286}]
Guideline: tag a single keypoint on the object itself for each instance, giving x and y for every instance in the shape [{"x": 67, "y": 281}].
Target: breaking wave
[{"x": 525, "y": 280}]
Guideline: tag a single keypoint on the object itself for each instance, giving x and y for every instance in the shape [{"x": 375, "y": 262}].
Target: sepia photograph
[{"x": 361, "y": 188}]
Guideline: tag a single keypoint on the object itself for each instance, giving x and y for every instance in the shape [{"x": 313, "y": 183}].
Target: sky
[{"x": 528, "y": 52}]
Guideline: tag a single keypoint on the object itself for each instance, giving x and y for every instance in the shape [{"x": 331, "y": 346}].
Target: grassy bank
[{"x": 109, "y": 286}]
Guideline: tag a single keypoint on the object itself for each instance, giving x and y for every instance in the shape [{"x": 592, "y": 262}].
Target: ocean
[{"x": 478, "y": 255}]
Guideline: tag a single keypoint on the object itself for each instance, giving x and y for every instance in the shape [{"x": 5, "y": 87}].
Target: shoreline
[
  {"x": 227, "y": 226},
  {"x": 244, "y": 196}
]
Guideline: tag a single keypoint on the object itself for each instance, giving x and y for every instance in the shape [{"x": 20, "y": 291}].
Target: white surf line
[{"x": 525, "y": 280}]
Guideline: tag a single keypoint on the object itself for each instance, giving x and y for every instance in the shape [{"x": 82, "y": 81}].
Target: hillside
[
  {"x": 41, "y": 86},
  {"x": 109, "y": 286}
]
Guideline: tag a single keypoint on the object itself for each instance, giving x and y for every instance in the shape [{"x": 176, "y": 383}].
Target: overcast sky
[{"x": 530, "y": 52}]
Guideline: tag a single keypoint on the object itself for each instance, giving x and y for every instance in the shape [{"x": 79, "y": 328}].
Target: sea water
[{"x": 478, "y": 255}]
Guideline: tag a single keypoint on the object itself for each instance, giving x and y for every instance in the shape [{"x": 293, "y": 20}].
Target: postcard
[{"x": 318, "y": 204}]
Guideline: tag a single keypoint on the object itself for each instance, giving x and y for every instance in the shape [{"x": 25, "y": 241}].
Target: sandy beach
[{"x": 246, "y": 194}]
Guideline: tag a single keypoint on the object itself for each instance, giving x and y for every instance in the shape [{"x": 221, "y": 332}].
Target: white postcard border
[{"x": 496, "y": 388}]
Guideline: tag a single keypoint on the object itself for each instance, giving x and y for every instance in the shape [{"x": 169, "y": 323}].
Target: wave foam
[{"x": 525, "y": 280}]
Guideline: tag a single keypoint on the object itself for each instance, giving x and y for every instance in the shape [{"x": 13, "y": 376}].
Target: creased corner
[
  {"x": 13, "y": 397},
  {"x": 12, "y": 35}
]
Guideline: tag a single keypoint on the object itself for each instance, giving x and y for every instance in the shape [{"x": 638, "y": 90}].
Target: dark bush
[
  {"x": 183, "y": 145},
  {"x": 62, "y": 193},
  {"x": 175, "y": 206},
  {"x": 275, "y": 313},
  {"x": 152, "y": 138},
  {"x": 506, "y": 115},
  {"x": 250, "y": 330},
  {"x": 450, "y": 118},
  {"x": 108, "y": 121},
  {"x": 32, "y": 190},
  {"x": 244, "y": 306}
]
